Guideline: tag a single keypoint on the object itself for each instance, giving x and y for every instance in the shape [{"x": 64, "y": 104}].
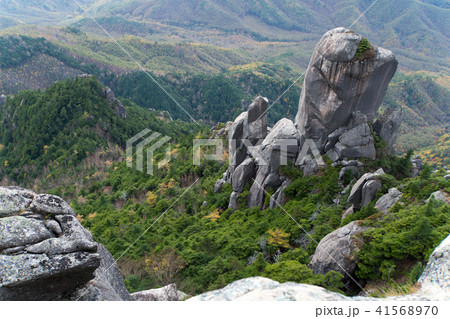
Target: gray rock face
[
  {"x": 245, "y": 136},
  {"x": 243, "y": 174},
  {"x": 279, "y": 198},
  {"x": 257, "y": 119},
  {"x": 440, "y": 195},
  {"x": 280, "y": 147},
  {"x": 388, "y": 200},
  {"x": 167, "y": 293},
  {"x": 233, "y": 200},
  {"x": 219, "y": 185},
  {"x": 42, "y": 277},
  {"x": 435, "y": 279},
  {"x": 348, "y": 212},
  {"x": 416, "y": 162},
  {"x": 20, "y": 231},
  {"x": 369, "y": 191},
  {"x": 388, "y": 124},
  {"x": 45, "y": 253},
  {"x": 336, "y": 251},
  {"x": 265, "y": 289},
  {"x": 237, "y": 150},
  {"x": 352, "y": 169},
  {"x": 336, "y": 85},
  {"x": 355, "y": 143},
  {"x": 107, "y": 284},
  {"x": 115, "y": 104},
  {"x": 51, "y": 204},
  {"x": 14, "y": 200},
  {"x": 356, "y": 192}
]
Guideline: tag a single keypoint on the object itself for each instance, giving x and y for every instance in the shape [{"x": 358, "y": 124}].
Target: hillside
[{"x": 56, "y": 136}]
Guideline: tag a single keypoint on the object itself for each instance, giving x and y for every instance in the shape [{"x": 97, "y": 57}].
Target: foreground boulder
[
  {"x": 435, "y": 279},
  {"x": 265, "y": 289},
  {"x": 336, "y": 251},
  {"x": 166, "y": 293},
  {"x": 45, "y": 253},
  {"x": 107, "y": 284}
]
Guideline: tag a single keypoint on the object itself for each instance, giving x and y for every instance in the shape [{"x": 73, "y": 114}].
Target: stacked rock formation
[
  {"x": 45, "y": 253},
  {"x": 256, "y": 153},
  {"x": 342, "y": 91}
]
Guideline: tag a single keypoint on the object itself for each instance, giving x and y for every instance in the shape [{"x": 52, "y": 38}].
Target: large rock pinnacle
[{"x": 339, "y": 82}]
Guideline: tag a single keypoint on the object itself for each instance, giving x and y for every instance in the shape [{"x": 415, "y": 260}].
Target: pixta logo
[{"x": 150, "y": 141}]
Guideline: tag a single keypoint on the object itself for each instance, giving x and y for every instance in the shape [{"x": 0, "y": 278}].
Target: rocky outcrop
[
  {"x": 220, "y": 183},
  {"x": 341, "y": 94},
  {"x": 114, "y": 103},
  {"x": 416, "y": 162},
  {"x": 434, "y": 281},
  {"x": 280, "y": 147},
  {"x": 279, "y": 199},
  {"x": 256, "y": 154},
  {"x": 107, "y": 284},
  {"x": 45, "y": 253},
  {"x": 356, "y": 193},
  {"x": 388, "y": 124},
  {"x": 220, "y": 131},
  {"x": 369, "y": 191},
  {"x": 265, "y": 289},
  {"x": 388, "y": 200},
  {"x": 166, "y": 293},
  {"x": 243, "y": 174},
  {"x": 337, "y": 250},
  {"x": 257, "y": 119},
  {"x": 441, "y": 196},
  {"x": 339, "y": 87}
]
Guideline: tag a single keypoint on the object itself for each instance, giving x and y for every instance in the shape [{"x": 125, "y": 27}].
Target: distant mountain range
[{"x": 418, "y": 31}]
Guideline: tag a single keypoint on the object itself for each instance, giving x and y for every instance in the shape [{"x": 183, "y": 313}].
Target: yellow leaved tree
[
  {"x": 278, "y": 238},
  {"x": 151, "y": 198}
]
